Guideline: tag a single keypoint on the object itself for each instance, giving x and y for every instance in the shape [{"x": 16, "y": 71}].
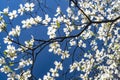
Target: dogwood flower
[
  {"x": 25, "y": 75},
  {"x": 2, "y": 61},
  {"x": 73, "y": 66},
  {"x": 65, "y": 54},
  {"x": 7, "y": 40},
  {"x": 11, "y": 52},
  {"x": 16, "y": 31},
  {"x": 29, "y": 43},
  {"x": 31, "y": 21},
  {"x": 23, "y": 63},
  {"x": 21, "y": 9},
  {"x": 54, "y": 46},
  {"x": 69, "y": 11},
  {"x": 11, "y": 76},
  {"x": 2, "y": 26},
  {"x": 29, "y": 6},
  {"x": 38, "y": 19},
  {"x": 26, "y": 23},
  {"x": 58, "y": 10},
  {"x": 48, "y": 77},
  {"x": 13, "y": 14},
  {"x": 72, "y": 42},
  {"x": 46, "y": 20},
  {"x": 5, "y": 69},
  {"x": 54, "y": 72},
  {"x": 51, "y": 32},
  {"x": 6, "y": 10},
  {"x": 58, "y": 65}
]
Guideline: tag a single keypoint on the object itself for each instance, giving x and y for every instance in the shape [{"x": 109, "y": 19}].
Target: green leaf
[
  {"x": 95, "y": 66},
  {"x": 1, "y": 18},
  {"x": 11, "y": 64},
  {"x": 83, "y": 38},
  {"x": 81, "y": 68},
  {"x": 5, "y": 53},
  {"x": 6, "y": 14},
  {"x": 58, "y": 24}
]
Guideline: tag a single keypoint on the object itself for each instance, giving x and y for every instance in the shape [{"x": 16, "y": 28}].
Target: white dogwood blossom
[
  {"x": 29, "y": 43},
  {"x": 24, "y": 75},
  {"x": 7, "y": 40},
  {"x": 65, "y": 54},
  {"x": 13, "y": 14},
  {"x": 48, "y": 77},
  {"x": 23, "y": 63},
  {"x": 72, "y": 42},
  {"x": 58, "y": 10},
  {"x": 58, "y": 65},
  {"x": 5, "y": 69},
  {"x": 10, "y": 52},
  {"x": 31, "y": 21},
  {"x": 54, "y": 72},
  {"x": 2, "y": 26},
  {"x": 26, "y": 23},
  {"x": 15, "y": 32},
  {"x": 6, "y": 10},
  {"x": 37, "y": 19},
  {"x": 2, "y": 61},
  {"x": 46, "y": 20},
  {"x": 21, "y": 9},
  {"x": 29, "y": 6}
]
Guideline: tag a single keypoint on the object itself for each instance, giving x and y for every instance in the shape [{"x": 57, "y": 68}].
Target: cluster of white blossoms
[
  {"x": 10, "y": 52},
  {"x": 26, "y": 7},
  {"x": 2, "y": 24},
  {"x": 8, "y": 61},
  {"x": 25, "y": 75},
  {"x": 21, "y": 10},
  {"x": 30, "y": 43},
  {"x": 46, "y": 20},
  {"x": 55, "y": 48},
  {"x": 5, "y": 69},
  {"x": 7, "y": 40},
  {"x": 2, "y": 61},
  {"x": 12, "y": 14},
  {"x": 34, "y": 21},
  {"x": 53, "y": 71},
  {"x": 86, "y": 36},
  {"x": 85, "y": 65},
  {"x": 56, "y": 24},
  {"x": 99, "y": 57},
  {"x": 16, "y": 31},
  {"x": 24, "y": 63}
]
